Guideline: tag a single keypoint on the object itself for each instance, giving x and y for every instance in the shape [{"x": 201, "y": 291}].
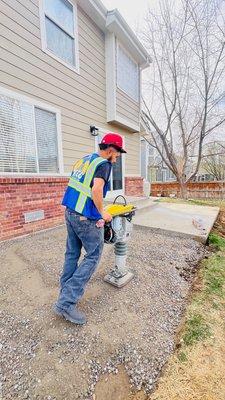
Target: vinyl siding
[
  {"x": 81, "y": 98},
  {"x": 126, "y": 107}
]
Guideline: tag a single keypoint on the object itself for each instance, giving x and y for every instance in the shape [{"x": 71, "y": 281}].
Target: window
[
  {"x": 127, "y": 74},
  {"x": 28, "y": 138},
  {"x": 60, "y": 38},
  {"x": 116, "y": 180}
]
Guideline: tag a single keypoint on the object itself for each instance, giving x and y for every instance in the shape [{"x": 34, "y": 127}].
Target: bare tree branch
[{"x": 182, "y": 105}]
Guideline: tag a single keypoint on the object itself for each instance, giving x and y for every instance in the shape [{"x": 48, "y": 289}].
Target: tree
[
  {"x": 213, "y": 161},
  {"x": 182, "y": 95}
]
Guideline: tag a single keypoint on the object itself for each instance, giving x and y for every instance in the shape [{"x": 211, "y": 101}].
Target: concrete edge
[
  {"x": 161, "y": 231},
  {"x": 201, "y": 239},
  {"x": 166, "y": 232}
]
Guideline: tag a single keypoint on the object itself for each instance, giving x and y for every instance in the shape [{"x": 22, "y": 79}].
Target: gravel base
[{"x": 44, "y": 357}]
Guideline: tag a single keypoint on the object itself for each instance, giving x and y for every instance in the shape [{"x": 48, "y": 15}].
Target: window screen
[
  {"x": 117, "y": 174},
  {"x": 59, "y": 25},
  {"x": 59, "y": 42},
  {"x": 47, "y": 146},
  {"x": 28, "y": 138},
  {"x": 17, "y": 137},
  {"x": 127, "y": 74},
  {"x": 61, "y": 12}
]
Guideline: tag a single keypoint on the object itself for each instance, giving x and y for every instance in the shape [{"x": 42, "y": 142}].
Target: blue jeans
[{"x": 75, "y": 277}]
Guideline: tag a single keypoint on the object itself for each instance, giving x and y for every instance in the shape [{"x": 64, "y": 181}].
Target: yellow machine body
[{"x": 119, "y": 209}]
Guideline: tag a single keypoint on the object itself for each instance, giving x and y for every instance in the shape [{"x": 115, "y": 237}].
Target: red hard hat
[{"x": 115, "y": 140}]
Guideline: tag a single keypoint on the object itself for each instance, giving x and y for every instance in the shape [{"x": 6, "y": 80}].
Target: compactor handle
[{"x": 120, "y": 195}]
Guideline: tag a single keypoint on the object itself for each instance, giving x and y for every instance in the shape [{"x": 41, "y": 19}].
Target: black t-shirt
[{"x": 103, "y": 171}]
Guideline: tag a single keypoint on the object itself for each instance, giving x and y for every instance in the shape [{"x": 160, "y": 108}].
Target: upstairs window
[
  {"x": 28, "y": 138},
  {"x": 127, "y": 74},
  {"x": 60, "y": 36}
]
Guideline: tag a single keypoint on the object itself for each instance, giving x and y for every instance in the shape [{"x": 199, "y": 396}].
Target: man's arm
[{"x": 97, "y": 197}]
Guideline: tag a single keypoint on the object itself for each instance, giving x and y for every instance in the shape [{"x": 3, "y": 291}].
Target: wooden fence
[{"x": 195, "y": 190}]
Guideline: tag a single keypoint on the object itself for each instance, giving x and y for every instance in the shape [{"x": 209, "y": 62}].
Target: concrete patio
[{"x": 191, "y": 220}]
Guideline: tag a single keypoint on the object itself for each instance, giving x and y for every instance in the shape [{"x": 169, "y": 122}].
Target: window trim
[
  {"x": 119, "y": 44},
  {"x": 45, "y": 107},
  {"x": 111, "y": 88},
  {"x": 43, "y": 14}
]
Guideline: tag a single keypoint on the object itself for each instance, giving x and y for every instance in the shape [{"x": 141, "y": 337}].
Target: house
[
  {"x": 153, "y": 168},
  {"x": 69, "y": 71},
  {"x": 212, "y": 167}
]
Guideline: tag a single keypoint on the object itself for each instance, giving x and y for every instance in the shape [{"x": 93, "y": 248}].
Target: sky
[{"x": 132, "y": 11}]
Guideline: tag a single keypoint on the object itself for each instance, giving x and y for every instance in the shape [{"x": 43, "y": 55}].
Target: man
[{"x": 85, "y": 218}]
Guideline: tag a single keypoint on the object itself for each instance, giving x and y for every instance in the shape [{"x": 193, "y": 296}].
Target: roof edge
[
  {"x": 96, "y": 10},
  {"x": 113, "y": 21},
  {"x": 117, "y": 24}
]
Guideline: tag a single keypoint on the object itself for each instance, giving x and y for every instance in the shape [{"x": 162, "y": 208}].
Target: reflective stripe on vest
[
  {"x": 86, "y": 184},
  {"x": 79, "y": 187}
]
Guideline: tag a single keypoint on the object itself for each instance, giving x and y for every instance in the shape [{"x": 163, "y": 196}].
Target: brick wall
[
  {"x": 134, "y": 186},
  {"x": 22, "y": 195},
  {"x": 195, "y": 190}
]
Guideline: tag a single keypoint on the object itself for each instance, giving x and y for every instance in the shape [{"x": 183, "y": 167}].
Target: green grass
[
  {"x": 196, "y": 329},
  {"x": 212, "y": 203},
  {"x": 214, "y": 275},
  {"x": 182, "y": 356},
  {"x": 197, "y": 202},
  {"x": 217, "y": 241},
  {"x": 199, "y": 323}
]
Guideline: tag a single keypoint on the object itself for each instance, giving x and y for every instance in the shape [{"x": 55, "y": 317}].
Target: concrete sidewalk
[{"x": 192, "y": 220}]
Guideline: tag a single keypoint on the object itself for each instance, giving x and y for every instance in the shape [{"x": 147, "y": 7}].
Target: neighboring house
[
  {"x": 153, "y": 168},
  {"x": 69, "y": 70},
  {"x": 212, "y": 166}
]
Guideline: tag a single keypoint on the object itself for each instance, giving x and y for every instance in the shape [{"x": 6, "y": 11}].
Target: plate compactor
[{"x": 118, "y": 232}]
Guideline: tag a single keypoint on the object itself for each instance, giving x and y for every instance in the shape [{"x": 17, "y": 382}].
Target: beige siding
[
  {"x": 126, "y": 107},
  {"x": 132, "y": 142},
  {"x": 81, "y": 98}
]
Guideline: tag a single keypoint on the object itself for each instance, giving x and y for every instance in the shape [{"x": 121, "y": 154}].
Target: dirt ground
[
  {"x": 130, "y": 332},
  {"x": 201, "y": 377},
  {"x": 200, "y": 373},
  {"x": 220, "y": 223}
]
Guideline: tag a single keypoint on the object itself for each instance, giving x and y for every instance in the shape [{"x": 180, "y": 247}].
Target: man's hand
[{"x": 106, "y": 216}]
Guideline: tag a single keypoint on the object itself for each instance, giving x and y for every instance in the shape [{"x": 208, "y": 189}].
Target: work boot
[{"x": 72, "y": 315}]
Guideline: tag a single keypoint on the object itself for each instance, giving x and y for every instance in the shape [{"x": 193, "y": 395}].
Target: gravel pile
[{"x": 46, "y": 358}]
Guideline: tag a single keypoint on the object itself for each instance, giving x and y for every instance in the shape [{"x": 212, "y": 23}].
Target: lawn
[
  {"x": 196, "y": 371},
  {"x": 198, "y": 202}
]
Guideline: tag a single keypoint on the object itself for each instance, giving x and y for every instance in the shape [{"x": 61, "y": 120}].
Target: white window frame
[
  {"x": 118, "y": 44},
  {"x": 46, "y": 107},
  {"x": 45, "y": 49},
  {"x": 142, "y": 140},
  {"x": 111, "y": 194}
]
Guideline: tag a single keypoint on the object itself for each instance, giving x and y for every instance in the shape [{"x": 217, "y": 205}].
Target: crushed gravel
[{"x": 44, "y": 357}]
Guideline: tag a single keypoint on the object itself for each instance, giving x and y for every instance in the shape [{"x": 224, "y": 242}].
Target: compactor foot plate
[{"x": 119, "y": 282}]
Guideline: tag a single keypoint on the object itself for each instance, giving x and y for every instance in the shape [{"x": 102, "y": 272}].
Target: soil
[
  {"x": 201, "y": 375},
  {"x": 130, "y": 332},
  {"x": 219, "y": 226}
]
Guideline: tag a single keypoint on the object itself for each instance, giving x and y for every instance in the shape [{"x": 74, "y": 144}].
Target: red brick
[
  {"x": 20, "y": 195},
  {"x": 134, "y": 186}
]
